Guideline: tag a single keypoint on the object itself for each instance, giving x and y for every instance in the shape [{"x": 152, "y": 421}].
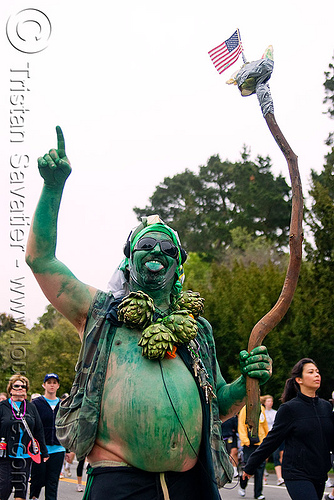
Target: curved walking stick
[
  {"x": 274, "y": 316},
  {"x": 253, "y": 77}
]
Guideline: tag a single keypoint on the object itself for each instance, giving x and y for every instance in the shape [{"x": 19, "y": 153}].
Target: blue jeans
[{"x": 258, "y": 476}]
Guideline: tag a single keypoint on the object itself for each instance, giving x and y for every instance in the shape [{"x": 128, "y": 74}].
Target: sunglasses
[
  {"x": 15, "y": 386},
  {"x": 148, "y": 243}
]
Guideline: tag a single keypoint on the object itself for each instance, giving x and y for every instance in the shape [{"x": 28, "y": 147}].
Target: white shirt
[{"x": 270, "y": 416}]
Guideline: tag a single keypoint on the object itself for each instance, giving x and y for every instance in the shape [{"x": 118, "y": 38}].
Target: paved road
[
  {"x": 67, "y": 489},
  {"x": 270, "y": 490}
]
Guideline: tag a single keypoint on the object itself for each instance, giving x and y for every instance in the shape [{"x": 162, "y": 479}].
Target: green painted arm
[
  {"x": 231, "y": 397},
  {"x": 65, "y": 292}
]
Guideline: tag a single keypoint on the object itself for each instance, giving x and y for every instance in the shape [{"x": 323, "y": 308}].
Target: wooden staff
[{"x": 274, "y": 316}]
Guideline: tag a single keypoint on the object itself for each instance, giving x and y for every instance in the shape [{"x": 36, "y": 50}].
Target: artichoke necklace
[{"x": 162, "y": 335}]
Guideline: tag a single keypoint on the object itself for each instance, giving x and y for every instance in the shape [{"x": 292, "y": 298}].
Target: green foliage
[
  {"x": 53, "y": 349},
  {"x": 237, "y": 296},
  {"x": 248, "y": 249},
  {"x": 12, "y": 352},
  {"x": 320, "y": 255},
  {"x": 205, "y": 207},
  {"x": 49, "y": 319},
  {"x": 321, "y": 218},
  {"x": 6, "y": 322},
  {"x": 329, "y": 90},
  {"x": 52, "y": 345}
]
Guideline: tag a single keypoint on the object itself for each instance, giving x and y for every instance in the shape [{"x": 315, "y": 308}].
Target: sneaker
[
  {"x": 261, "y": 497},
  {"x": 280, "y": 481},
  {"x": 327, "y": 497},
  {"x": 61, "y": 476},
  {"x": 241, "y": 492},
  {"x": 68, "y": 472},
  {"x": 80, "y": 487}
]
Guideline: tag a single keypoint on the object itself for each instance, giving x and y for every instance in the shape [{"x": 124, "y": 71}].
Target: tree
[
  {"x": 320, "y": 218},
  {"x": 50, "y": 318},
  {"x": 52, "y": 345},
  {"x": 320, "y": 253},
  {"x": 236, "y": 296},
  {"x": 54, "y": 348},
  {"x": 329, "y": 90},
  {"x": 6, "y": 322},
  {"x": 12, "y": 351},
  {"x": 205, "y": 207}
]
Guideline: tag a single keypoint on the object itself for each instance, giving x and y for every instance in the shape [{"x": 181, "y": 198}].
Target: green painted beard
[{"x": 148, "y": 277}]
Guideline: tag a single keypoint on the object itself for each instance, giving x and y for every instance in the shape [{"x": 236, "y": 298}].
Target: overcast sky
[{"x": 138, "y": 98}]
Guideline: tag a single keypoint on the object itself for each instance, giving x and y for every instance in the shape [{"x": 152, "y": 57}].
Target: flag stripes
[{"x": 227, "y": 53}]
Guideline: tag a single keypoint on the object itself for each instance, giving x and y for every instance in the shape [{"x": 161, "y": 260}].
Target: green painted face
[{"x": 153, "y": 269}]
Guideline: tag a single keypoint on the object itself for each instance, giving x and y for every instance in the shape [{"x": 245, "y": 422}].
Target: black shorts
[
  {"x": 231, "y": 442},
  {"x": 14, "y": 473},
  {"x": 125, "y": 483}
]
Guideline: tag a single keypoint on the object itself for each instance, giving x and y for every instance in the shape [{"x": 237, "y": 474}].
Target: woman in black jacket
[
  {"x": 15, "y": 461},
  {"x": 305, "y": 423}
]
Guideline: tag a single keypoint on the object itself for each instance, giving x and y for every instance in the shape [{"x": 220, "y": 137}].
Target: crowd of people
[{"x": 31, "y": 457}]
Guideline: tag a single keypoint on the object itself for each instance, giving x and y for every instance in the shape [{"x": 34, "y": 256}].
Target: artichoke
[
  {"x": 156, "y": 340},
  {"x": 136, "y": 310},
  {"x": 182, "y": 325},
  {"x": 192, "y": 301}
]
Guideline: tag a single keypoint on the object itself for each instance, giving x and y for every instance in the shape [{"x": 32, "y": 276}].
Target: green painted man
[{"x": 150, "y": 421}]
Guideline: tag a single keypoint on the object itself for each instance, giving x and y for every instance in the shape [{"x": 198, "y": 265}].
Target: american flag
[{"x": 226, "y": 53}]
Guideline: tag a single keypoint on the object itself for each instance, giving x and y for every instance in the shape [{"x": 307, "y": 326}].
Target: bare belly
[{"x": 151, "y": 414}]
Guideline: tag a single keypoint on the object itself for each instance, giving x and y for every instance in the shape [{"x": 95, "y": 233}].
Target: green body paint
[
  {"x": 137, "y": 421},
  {"x": 71, "y": 297},
  {"x": 153, "y": 272},
  {"x": 45, "y": 234},
  {"x": 231, "y": 396}
]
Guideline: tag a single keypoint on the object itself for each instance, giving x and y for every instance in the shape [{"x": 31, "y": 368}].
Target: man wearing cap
[
  {"x": 47, "y": 473},
  {"x": 149, "y": 421}
]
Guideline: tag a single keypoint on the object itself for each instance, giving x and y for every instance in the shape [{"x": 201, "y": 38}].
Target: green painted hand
[
  {"x": 256, "y": 364},
  {"x": 54, "y": 166}
]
